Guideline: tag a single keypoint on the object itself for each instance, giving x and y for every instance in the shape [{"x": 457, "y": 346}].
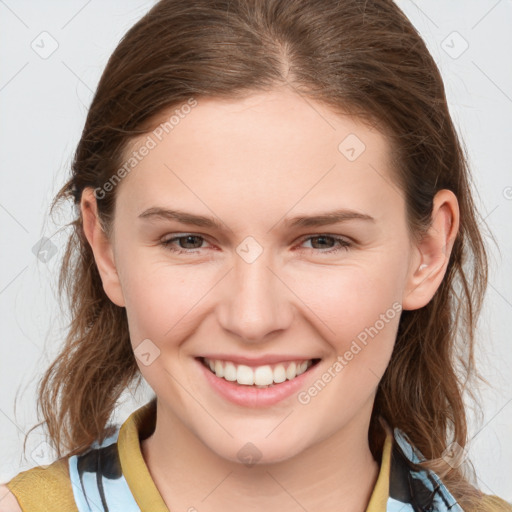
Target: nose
[{"x": 257, "y": 300}]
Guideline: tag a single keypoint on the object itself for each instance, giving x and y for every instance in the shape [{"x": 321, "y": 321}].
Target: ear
[
  {"x": 431, "y": 255},
  {"x": 101, "y": 247}
]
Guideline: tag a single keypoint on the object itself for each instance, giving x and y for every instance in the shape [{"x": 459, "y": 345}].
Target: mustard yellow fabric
[
  {"x": 380, "y": 494},
  {"x": 49, "y": 488},
  {"x": 44, "y": 488},
  {"x": 139, "y": 426}
]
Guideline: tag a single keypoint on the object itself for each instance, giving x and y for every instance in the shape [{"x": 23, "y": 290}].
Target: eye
[
  {"x": 342, "y": 243},
  {"x": 190, "y": 239}
]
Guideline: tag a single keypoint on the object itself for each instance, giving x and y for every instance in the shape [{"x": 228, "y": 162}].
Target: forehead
[{"x": 275, "y": 149}]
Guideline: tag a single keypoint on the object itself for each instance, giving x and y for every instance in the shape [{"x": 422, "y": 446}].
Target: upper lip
[{"x": 258, "y": 361}]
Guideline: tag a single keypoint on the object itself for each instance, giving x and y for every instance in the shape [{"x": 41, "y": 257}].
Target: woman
[{"x": 227, "y": 143}]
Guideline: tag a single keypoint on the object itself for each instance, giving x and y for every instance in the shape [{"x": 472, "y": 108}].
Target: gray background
[{"x": 43, "y": 103}]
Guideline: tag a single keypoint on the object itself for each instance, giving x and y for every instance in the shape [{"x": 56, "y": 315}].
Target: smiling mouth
[{"x": 263, "y": 376}]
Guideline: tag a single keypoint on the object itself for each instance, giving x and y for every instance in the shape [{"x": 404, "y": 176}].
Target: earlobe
[
  {"x": 432, "y": 254},
  {"x": 101, "y": 247}
]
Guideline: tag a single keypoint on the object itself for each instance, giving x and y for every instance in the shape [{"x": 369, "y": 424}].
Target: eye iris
[
  {"x": 187, "y": 238},
  {"x": 321, "y": 238}
]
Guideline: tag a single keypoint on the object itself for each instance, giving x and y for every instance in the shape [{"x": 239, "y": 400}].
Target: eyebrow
[{"x": 321, "y": 219}]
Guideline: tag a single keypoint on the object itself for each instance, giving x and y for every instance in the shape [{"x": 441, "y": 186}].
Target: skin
[
  {"x": 251, "y": 164},
  {"x": 8, "y": 502}
]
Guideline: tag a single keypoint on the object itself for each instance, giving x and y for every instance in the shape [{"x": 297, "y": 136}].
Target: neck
[{"x": 338, "y": 473}]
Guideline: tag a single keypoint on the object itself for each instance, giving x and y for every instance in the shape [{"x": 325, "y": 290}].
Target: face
[{"x": 268, "y": 275}]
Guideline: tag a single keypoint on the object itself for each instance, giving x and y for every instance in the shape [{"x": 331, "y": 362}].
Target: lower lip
[{"x": 250, "y": 396}]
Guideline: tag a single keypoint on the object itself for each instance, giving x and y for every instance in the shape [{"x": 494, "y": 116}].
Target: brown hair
[{"x": 362, "y": 58}]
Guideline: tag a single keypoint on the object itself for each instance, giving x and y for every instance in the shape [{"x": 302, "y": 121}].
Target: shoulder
[
  {"x": 8, "y": 502},
  {"x": 39, "y": 488}
]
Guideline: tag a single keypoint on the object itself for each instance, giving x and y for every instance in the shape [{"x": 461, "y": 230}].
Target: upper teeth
[{"x": 259, "y": 375}]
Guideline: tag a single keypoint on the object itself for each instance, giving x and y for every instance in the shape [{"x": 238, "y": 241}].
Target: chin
[{"x": 254, "y": 453}]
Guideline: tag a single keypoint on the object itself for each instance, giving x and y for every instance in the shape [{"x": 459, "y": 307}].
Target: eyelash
[{"x": 344, "y": 245}]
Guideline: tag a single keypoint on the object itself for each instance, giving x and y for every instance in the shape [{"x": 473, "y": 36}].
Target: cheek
[
  {"x": 346, "y": 299},
  {"x": 357, "y": 310},
  {"x": 161, "y": 298}
]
